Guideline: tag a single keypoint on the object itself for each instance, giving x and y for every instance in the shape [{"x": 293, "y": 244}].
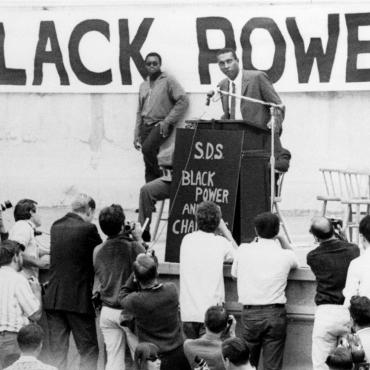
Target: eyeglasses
[{"x": 154, "y": 64}]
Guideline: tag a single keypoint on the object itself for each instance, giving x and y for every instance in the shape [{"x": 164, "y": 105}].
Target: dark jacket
[
  {"x": 72, "y": 241},
  {"x": 113, "y": 266},
  {"x": 329, "y": 262},
  {"x": 255, "y": 84}
]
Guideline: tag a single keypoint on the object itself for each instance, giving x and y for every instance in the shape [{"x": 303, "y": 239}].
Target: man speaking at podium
[{"x": 249, "y": 83}]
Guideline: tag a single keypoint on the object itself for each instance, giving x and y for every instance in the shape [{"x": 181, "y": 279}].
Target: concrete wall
[
  {"x": 52, "y": 145},
  {"x": 300, "y": 307}
]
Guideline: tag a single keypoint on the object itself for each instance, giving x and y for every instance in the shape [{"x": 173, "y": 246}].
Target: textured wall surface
[{"x": 52, "y": 145}]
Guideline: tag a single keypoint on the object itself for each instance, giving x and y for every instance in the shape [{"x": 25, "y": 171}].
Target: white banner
[{"x": 101, "y": 50}]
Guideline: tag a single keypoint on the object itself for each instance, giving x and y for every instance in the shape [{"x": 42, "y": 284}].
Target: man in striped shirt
[{"x": 19, "y": 300}]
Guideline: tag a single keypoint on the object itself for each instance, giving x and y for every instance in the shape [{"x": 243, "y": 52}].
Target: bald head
[
  {"x": 322, "y": 228},
  {"x": 145, "y": 268}
]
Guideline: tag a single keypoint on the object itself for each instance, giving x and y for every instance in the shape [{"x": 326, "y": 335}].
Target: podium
[{"x": 234, "y": 156}]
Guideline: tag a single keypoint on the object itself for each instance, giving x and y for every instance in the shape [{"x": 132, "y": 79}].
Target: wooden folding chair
[
  {"x": 357, "y": 201},
  {"x": 334, "y": 187}
]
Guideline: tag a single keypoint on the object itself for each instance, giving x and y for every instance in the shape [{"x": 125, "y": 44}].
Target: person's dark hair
[
  {"x": 111, "y": 219},
  {"x": 340, "y": 359},
  {"x": 145, "y": 268},
  {"x": 322, "y": 229},
  {"x": 22, "y": 210},
  {"x": 236, "y": 350},
  {"x": 364, "y": 228},
  {"x": 208, "y": 215},
  {"x": 30, "y": 337},
  {"x": 360, "y": 310},
  {"x": 82, "y": 203},
  {"x": 145, "y": 352},
  {"x": 227, "y": 50},
  {"x": 267, "y": 225},
  {"x": 216, "y": 319},
  {"x": 154, "y": 54},
  {"x": 9, "y": 249}
]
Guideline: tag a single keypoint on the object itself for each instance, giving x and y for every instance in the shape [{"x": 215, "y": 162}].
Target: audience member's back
[
  {"x": 202, "y": 255},
  {"x": 208, "y": 347}
]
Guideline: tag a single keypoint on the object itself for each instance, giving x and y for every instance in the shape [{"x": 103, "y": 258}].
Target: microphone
[{"x": 210, "y": 94}]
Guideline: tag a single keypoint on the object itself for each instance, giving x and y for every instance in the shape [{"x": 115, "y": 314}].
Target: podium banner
[{"x": 207, "y": 165}]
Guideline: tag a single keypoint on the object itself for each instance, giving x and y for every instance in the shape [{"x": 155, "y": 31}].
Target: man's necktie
[{"x": 232, "y": 101}]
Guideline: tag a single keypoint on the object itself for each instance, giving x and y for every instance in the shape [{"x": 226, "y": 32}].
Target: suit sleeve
[
  {"x": 94, "y": 237},
  {"x": 270, "y": 95}
]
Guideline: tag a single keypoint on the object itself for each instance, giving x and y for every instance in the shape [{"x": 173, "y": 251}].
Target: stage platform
[{"x": 297, "y": 221}]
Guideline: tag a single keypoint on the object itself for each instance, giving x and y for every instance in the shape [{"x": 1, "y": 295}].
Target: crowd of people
[{"x": 117, "y": 281}]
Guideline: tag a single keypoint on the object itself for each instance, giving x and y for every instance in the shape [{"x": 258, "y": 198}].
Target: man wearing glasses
[{"x": 162, "y": 103}]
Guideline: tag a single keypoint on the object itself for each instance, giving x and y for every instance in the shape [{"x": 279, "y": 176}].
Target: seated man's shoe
[{"x": 146, "y": 236}]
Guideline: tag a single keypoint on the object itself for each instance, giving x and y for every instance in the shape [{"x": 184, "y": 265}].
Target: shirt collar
[
  {"x": 31, "y": 224},
  {"x": 27, "y": 358},
  {"x": 7, "y": 268},
  {"x": 266, "y": 242},
  {"x": 363, "y": 330}
]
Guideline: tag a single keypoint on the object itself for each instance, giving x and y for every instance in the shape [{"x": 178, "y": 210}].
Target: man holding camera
[
  {"x": 218, "y": 325},
  {"x": 155, "y": 308},
  {"x": 329, "y": 262},
  {"x": 27, "y": 219},
  {"x": 113, "y": 262}
]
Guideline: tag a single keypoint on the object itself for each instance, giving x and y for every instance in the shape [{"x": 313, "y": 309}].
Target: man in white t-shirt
[
  {"x": 262, "y": 268},
  {"x": 358, "y": 275},
  {"x": 202, "y": 255}
]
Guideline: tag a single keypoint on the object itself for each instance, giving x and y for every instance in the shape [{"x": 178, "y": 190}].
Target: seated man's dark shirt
[
  {"x": 329, "y": 262},
  {"x": 156, "y": 313}
]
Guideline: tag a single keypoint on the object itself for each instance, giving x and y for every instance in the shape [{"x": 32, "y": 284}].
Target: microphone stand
[{"x": 273, "y": 110}]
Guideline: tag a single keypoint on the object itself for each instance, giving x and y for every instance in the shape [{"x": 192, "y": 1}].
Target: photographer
[
  {"x": 113, "y": 262},
  {"x": 27, "y": 219},
  {"x": 208, "y": 347},
  {"x": 329, "y": 262},
  {"x": 155, "y": 308}
]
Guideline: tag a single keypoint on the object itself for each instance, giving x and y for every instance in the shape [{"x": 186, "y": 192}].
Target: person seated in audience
[
  {"x": 202, "y": 256},
  {"x": 155, "y": 308},
  {"x": 30, "y": 339},
  {"x": 147, "y": 357},
  {"x": 113, "y": 261},
  {"x": 360, "y": 312},
  {"x": 235, "y": 354},
  {"x": 340, "y": 359},
  {"x": 208, "y": 347}
]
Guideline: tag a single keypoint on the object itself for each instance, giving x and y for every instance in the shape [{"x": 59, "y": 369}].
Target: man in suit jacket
[
  {"x": 67, "y": 299},
  {"x": 249, "y": 83}
]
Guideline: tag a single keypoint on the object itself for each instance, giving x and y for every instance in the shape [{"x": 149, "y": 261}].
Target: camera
[
  {"x": 6, "y": 205},
  {"x": 338, "y": 228},
  {"x": 337, "y": 223},
  {"x": 128, "y": 227}
]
